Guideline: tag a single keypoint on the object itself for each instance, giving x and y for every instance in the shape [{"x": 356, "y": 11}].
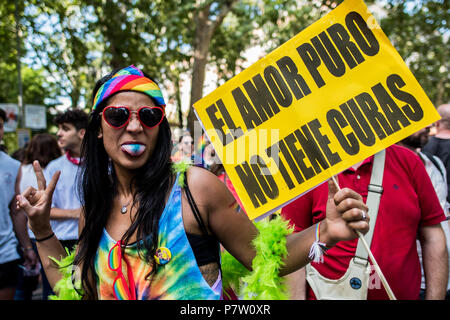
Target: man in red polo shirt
[{"x": 409, "y": 208}]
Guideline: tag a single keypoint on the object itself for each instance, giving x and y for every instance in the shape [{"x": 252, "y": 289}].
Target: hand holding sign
[
  {"x": 37, "y": 203},
  {"x": 346, "y": 214}
]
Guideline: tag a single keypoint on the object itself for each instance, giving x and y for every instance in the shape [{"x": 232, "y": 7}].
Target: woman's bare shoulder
[
  {"x": 201, "y": 175},
  {"x": 207, "y": 186}
]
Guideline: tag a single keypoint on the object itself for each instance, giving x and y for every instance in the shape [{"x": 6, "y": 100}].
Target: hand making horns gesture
[{"x": 37, "y": 203}]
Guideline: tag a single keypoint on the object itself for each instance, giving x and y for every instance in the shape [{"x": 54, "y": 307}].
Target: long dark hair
[
  {"x": 44, "y": 148},
  {"x": 98, "y": 187}
]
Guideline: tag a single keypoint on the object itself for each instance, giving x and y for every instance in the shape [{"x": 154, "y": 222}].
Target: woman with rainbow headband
[{"x": 150, "y": 232}]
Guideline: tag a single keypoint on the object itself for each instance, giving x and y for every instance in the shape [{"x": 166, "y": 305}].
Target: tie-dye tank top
[{"x": 179, "y": 279}]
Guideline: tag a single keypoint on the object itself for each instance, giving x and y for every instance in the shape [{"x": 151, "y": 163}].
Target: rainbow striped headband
[{"x": 129, "y": 79}]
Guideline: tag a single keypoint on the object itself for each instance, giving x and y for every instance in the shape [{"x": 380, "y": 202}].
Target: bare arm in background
[
  {"x": 435, "y": 261},
  {"x": 62, "y": 214},
  {"x": 296, "y": 282}
]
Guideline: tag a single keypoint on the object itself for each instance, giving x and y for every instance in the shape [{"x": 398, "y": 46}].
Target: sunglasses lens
[
  {"x": 116, "y": 117},
  {"x": 121, "y": 289},
  {"x": 151, "y": 117},
  {"x": 114, "y": 258}
]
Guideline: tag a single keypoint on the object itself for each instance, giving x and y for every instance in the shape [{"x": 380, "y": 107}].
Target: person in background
[
  {"x": 185, "y": 148},
  {"x": 209, "y": 155},
  {"x": 66, "y": 205},
  {"x": 439, "y": 144},
  {"x": 11, "y": 221},
  {"x": 19, "y": 154},
  {"x": 436, "y": 170},
  {"x": 44, "y": 148}
]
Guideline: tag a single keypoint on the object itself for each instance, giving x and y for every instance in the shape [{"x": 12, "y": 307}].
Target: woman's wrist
[
  {"x": 324, "y": 235},
  {"x": 45, "y": 238},
  {"x": 42, "y": 232}
]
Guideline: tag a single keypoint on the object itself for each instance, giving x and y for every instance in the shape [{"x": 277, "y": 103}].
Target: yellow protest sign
[{"x": 333, "y": 95}]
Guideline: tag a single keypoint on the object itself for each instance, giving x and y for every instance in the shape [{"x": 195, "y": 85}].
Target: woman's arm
[
  {"x": 236, "y": 232},
  {"x": 216, "y": 205},
  {"x": 36, "y": 204}
]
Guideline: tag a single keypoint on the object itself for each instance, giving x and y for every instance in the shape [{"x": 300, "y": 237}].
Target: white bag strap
[{"x": 375, "y": 190}]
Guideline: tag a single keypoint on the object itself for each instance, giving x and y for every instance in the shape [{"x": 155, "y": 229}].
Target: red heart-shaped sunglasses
[{"x": 118, "y": 116}]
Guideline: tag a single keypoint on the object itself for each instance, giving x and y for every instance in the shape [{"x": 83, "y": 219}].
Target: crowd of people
[{"x": 106, "y": 185}]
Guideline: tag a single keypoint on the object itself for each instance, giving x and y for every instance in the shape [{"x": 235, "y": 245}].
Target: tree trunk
[
  {"x": 203, "y": 33},
  {"x": 178, "y": 100},
  {"x": 75, "y": 97},
  {"x": 201, "y": 46}
]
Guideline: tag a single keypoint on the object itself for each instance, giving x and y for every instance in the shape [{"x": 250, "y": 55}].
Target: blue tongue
[{"x": 133, "y": 148}]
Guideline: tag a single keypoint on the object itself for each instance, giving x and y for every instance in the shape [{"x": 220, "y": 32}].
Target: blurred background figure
[
  {"x": 204, "y": 155},
  {"x": 14, "y": 240},
  {"x": 439, "y": 144},
  {"x": 44, "y": 148},
  {"x": 209, "y": 155},
  {"x": 176, "y": 134},
  {"x": 417, "y": 140},
  {"x": 437, "y": 172},
  {"x": 185, "y": 148},
  {"x": 19, "y": 154}
]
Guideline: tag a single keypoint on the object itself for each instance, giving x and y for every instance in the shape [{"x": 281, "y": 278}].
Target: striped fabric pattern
[{"x": 129, "y": 79}]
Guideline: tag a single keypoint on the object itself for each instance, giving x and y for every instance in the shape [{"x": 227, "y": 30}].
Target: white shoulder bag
[{"x": 353, "y": 285}]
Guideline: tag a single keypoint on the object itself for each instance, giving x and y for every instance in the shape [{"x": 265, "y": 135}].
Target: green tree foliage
[
  {"x": 148, "y": 34},
  {"x": 7, "y": 33},
  {"x": 34, "y": 83},
  {"x": 74, "y": 42},
  {"x": 419, "y": 31},
  {"x": 61, "y": 43},
  {"x": 36, "y": 88}
]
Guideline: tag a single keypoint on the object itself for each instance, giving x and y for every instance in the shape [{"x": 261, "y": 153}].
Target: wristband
[
  {"x": 317, "y": 248},
  {"x": 46, "y": 238},
  {"x": 27, "y": 249}
]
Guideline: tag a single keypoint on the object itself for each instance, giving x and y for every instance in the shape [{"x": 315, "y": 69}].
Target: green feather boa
[
  {"x": 181, "y": 168},
  {"x": 64, "y": 287},
  {"x": 262, "y": 283}
]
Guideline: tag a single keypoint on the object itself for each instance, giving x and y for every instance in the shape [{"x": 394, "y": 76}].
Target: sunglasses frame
[
  {"x": 129, "y": 288},
  {"x": 129, "y": 116}
]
